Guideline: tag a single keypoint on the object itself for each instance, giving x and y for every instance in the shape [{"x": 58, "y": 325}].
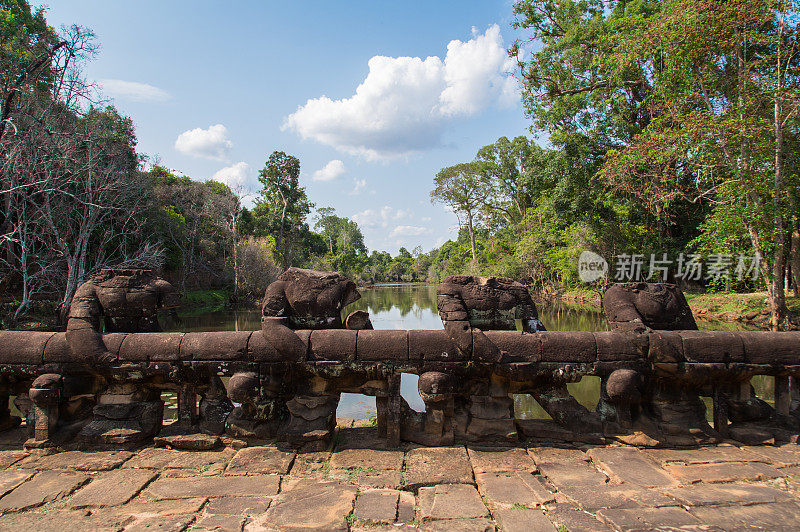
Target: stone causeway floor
[{"x": 363, "y": 486}]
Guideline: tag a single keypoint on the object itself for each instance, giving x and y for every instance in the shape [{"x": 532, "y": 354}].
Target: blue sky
[{"x": 373, "y": 97}]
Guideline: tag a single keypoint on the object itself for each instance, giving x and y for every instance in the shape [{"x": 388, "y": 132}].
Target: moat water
[{"x": 413, "y": 306}]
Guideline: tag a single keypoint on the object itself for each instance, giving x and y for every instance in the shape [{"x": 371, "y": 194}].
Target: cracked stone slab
[
  {"x": 218, "y": 523},
  {"x": 44, "y": 487},
  {"x": 592, "y": 497},
  {"x": 77, "y": 460},
  {"x": 213, "y": 486},
  {"x": 508, "y": 489},
  {"x": 775, "y": 516},
  {"x": 112, "y": 488},
  {"x": 629, "y": 465},
  {"x": 719, "y": 494},
  {"x": 165, "y": 523},
  {"x": 574, "y": 473},
  {"x": 248, "y": 506},
  {"x": 670, "y": 517},
  {"x": 544, "y": 453},
  {"x": 308, "y": 504},
  {"x": 426, "y": 466},
  {"x": 260, "y": 460},
  {"x": 450, "y": 501},
  {"x": 377, "y": 506},
  {"x": 311, "y": 465},
  {"x": 722, "y": 472},
  {"x": 459, "y": 525},
  {"x": 500, "y": 460},
  {"x": 571, "y": 517},
  {"x": 779, "y": 456},
  {"x": 152, "y": 458},
  {"x": 8, "y": 458},
  {"x": 11, "y": 479},
  {"x": 705, "y": 455},
  {"x": 362, "y": 458},
  {"x": 369, "y": 478},
  {"x": 523, "y": 520}
]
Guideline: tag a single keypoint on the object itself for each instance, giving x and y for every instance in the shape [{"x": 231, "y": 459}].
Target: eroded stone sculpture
[
  {"x": 657, "y": 306},
  {"x": 286, "y": 381}
]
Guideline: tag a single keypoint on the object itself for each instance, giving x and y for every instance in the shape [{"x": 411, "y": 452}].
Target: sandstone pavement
[{"x": 362, "y": 485}]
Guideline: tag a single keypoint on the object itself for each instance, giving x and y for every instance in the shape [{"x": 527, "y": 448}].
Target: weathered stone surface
[
  {"x": 570, "y": 517},
  {"x": 509, "y": 489},
  {"x": 626, "y": 464},
  {"x": 376, "y": 506},
  {"x": 450, "y": 501},
  {"x": 405, "y": 507},
  {"x": 248, "y": 506},
  {"x": 213, "y": 486},
  {"x": 112, "y": 488},
  {"x": 61, "y": 520},
  {"x": 523, "y": 520},
  {"x": 704, "y": 455},
  {"x": 360, "y": 458},
  {"x": 143, "y": 506},
  {"x": 11, "y": 479},
  {"x": 218, "y": 523},
  {"x": 572, "y": 474},
  {"x": 44, "y": 487},
  {"x": 543, "y": 454},
  {"x": 311, "y": 465},
  {"x": 201, "y": 459},
  {"x": 722, "y": 472},
  {"x": 167, "y": 523},
  {"x": 779, "y": 456},
  {"x": 308, "y": 505},
  {"x": 152, "y": 458},
  {"x": 77, "y": 460},
  {"x": 369, "y": 477},
  {"x": 8, "y": 458},
  {"x": 260, "y": 460},
  {"x": 459, "y": 525},
  {"x": 437, "y": 465},
  {"x": 668, "y": 518},
  {"x": 719, "y": 494},
  {"x": 777, "y": 516},
  {"x": 592, "y": 497},
  {"x": 190, "y": 442},
  {"x": 500, "y": 460}
]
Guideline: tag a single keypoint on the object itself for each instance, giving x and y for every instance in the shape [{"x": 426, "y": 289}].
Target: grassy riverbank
[{"x": 750, "y": 308}]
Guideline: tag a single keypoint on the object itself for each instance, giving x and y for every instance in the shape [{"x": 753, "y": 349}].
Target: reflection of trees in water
[
  {"x": 560, "y": 317},
  {"x": 417, "y": 300}
]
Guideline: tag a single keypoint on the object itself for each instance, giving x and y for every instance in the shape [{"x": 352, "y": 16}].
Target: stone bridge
[
  {"x": 257, "y": 447},
  {"x": 653, "y": 385}
]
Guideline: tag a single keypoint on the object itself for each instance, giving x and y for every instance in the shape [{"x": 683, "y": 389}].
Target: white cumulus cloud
[
  {"x": 372, "y": 219},
  {"x": 133, "y": 91},
  {"x": 211, "y": 143},
  {"x": 406, "y": 103},
  {"x": 330, "y": 171},
  {"x": 409, "y": 230},
  {"x": 237, "y": 175},
  {"x": 360, "y": 184}
]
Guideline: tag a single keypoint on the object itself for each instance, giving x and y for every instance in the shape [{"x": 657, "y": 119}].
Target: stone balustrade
[{"x": 250, "y": 385}]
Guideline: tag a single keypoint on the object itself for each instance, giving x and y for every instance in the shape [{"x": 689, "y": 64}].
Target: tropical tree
[{"x": 463, "y": 188}]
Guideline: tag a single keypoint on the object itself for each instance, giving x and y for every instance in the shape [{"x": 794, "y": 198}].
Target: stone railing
[{"x": 253, "y": 385}]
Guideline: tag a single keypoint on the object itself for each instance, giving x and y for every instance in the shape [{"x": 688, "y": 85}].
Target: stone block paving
[{"x": 362, "y": 485}]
